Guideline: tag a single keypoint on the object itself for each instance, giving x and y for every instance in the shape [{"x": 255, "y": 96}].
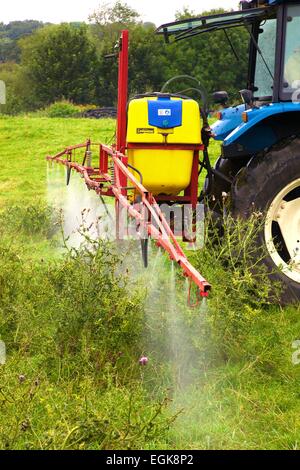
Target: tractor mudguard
[
  {"x": 265, "y": 126},
  {"x": 230, "y": 119}
]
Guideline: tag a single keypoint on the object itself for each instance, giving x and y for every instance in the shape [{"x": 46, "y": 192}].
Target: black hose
[{"x": 137, "y": 171}]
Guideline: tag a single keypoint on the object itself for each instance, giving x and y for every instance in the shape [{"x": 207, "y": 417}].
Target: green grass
[
  {"x": 25, "y": 142},
  {"x": 217, "y": 378}
]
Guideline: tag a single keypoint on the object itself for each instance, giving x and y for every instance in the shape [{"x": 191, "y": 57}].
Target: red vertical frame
[
  {"x": 122, "y": 103},
  {"x": 121, "y": 179},
  {"x": 122, "y": 92},
  {"x": 194, "y": 180},
  {"x": 192, "y": 191}
]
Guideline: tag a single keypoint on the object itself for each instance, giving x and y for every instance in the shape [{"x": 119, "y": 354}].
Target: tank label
[
  {"x": 165, "y": 112},
  {"x": 145, "y": 130}
]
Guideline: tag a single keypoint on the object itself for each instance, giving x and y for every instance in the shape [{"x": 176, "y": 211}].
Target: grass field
[
  {"x": 25, "y": 142},
  {"x": 218, "y": 378}
]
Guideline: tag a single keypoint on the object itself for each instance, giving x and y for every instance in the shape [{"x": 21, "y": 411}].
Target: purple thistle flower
[{"x": 143, "y": 361}]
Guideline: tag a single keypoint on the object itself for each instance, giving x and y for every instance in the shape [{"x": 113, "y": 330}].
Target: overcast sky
[{"x": 157, "y": 11}]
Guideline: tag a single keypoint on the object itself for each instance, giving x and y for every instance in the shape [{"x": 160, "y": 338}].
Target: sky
[{"x": 56, "y": 11}]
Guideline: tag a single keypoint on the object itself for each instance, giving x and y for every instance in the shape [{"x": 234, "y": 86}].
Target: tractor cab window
[
  {"x": 265, "y": 62},
  {"x": 291, "y": 71}
]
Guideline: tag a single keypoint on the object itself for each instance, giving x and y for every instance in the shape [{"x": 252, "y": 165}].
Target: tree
[
  {"x": 184, "y": 13},
  {"x": 150, "y": 64},
  {"x": 119, "y": 13},
  {"x": 108, "y": 20},
  {"x": 9, "y": 50},
  {"x": 10, "y": 34},
  {"x": 19, "y": 96},
  {"x": 209, "y": 56},
  {"x": 61, "y": 62}
]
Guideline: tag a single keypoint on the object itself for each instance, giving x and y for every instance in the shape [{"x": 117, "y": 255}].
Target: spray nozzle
[{"x": 200, "y": 295}]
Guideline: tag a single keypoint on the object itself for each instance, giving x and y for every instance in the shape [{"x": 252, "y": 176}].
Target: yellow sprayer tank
[{"x": 161, "y": 134}]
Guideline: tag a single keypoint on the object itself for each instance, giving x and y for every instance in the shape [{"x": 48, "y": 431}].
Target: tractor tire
[{"x": 270, "y": 184}]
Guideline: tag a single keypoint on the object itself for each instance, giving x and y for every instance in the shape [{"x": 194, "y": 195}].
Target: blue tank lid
[{"x": 165, "y": 113}]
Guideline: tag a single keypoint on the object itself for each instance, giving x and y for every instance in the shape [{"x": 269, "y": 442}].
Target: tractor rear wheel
[{"x": 270, "y": 184}]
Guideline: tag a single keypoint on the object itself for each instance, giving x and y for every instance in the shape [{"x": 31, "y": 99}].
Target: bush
[
  {"x": 38, "y": 219},
  {"x": 77, "y": 309},
  {"x": 76, "y": 414},
  {"x": 72, "y": 330},
  {"x": 62, "y": 109}
]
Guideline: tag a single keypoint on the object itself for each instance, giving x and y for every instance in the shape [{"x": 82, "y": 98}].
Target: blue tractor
[{"x": 259, "y": 166}]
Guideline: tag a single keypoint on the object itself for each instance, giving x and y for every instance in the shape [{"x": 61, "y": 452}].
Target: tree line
[{"x": 48, "y": 63}]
